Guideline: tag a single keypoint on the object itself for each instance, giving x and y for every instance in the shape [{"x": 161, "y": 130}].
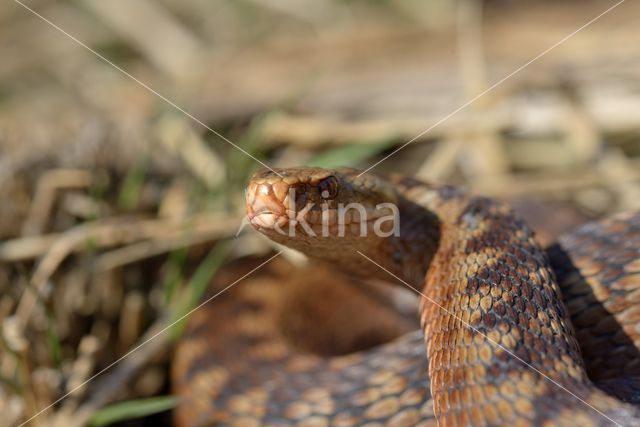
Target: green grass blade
[
  {"x": 132, "y": 186},
  {"x": 132, "y": 409},
  {"x": 175, "y": 272},
  {"x": 350, "y": 154},
  {"x": 53, "y": 341},
  {"x": 198, "y": 284}
]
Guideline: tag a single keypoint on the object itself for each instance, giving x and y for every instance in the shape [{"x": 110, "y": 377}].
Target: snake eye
[{"x": 328, "y": 188}]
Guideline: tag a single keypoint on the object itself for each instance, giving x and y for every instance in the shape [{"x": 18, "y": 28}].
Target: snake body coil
[{"x": 506, "y": 343}]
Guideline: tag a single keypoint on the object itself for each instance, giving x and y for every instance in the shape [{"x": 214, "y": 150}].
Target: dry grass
[{"x": 118, "y": 209}]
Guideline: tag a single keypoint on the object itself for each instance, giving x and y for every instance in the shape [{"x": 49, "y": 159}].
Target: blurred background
[{"x": 121, "y": 201}]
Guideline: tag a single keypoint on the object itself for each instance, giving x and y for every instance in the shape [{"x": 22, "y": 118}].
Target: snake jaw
[{"x": 267, "y": 220}]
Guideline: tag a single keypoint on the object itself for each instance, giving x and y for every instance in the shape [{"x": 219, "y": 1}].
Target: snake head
[{"x": 309, "y": 204}]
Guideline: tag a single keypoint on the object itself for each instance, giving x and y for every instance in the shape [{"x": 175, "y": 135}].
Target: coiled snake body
[{"x": 506, "y": 343}]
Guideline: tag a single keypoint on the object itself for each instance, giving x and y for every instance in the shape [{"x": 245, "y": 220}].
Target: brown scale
[{"x": 506, "y": 345}]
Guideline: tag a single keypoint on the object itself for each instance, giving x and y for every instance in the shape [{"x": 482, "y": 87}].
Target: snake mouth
[{"x": 267, "y": 219}]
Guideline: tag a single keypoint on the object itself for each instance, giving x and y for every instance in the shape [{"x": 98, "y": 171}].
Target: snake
[{"x": 506, "y": 332}]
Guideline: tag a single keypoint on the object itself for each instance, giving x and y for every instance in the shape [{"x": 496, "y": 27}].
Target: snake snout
[{"x": 264, "y": 207}]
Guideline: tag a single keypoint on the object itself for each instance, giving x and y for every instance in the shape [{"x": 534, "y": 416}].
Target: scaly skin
[{"x": 500, "y": 343}]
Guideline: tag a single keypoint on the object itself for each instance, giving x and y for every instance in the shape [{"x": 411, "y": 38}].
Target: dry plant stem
[
  {"x": 197, "y": 234},
  {"x": 26, "y": 248},
  {"x": 176, "y": 135},
  {"x": 582, "y": 133},
  {"x": 319, "y": 131},
  {"x": 488, "y": 159},
  {"x": 45, "y": 195},
  {"x": 14, "y": 345},
  {"x": 84, "y": 364},
  {"x": 26, "y": 373},
  {"x": 170, "y": 45},
  {"x": 617, "y": 116},
  {"x": 46, "y": 384},
  {"x": 131, "y": 323},
  {"x": 110, "y": 232},
  {"x": 81, "y": 205},
  {"x": 175, "y": 203},
  {"x": 472, "y": 63},
  {"x": 442, "y": 160},
  {"x": 552, "y": 184},
  {"x": 109, "y": 291},
  {"x": 310, "y": 11},
  {"x": 109, "y": 387},
  {"x": 620, "y": 173}
]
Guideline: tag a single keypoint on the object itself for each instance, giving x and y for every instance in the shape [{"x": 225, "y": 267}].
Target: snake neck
[
  {"x": 494, "y": 322},
  {"x": 496, "y": 330}
]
